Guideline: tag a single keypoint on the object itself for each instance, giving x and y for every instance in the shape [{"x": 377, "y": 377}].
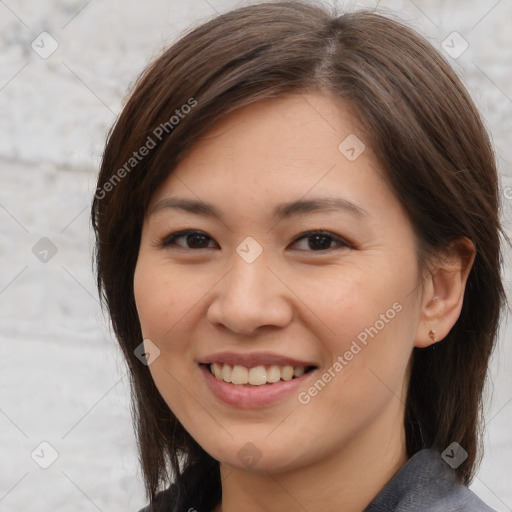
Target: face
[{"x": 299, "y": 277}]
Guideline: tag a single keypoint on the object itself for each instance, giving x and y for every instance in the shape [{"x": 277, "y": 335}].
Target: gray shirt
[{"x": 425, "y": 483}]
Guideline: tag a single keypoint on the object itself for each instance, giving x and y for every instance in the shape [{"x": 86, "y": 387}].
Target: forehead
[
  {"x": 275, "y": 149},
  {"x": 293, "y": 125}
]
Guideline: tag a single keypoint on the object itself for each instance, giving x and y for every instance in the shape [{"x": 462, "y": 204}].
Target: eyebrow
[{"x": 281, "y": 211}]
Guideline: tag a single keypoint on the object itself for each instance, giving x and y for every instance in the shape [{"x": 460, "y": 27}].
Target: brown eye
[
  {"x": 321, "y": 241},
  {"x": 193, "y": 240}
]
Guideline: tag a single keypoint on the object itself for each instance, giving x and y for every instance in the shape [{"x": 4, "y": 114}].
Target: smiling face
[{"x": 328, "y": 289}]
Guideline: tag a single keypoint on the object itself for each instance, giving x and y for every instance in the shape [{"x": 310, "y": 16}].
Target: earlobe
[{"x": 444, "y": 293}]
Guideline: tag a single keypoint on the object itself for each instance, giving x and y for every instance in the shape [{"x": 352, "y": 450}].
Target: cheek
[
  {"x": 350, "y": 299},
  {"x": 167, "y": 298},
  {"x": 366, "y": 374},
  {"x": 160, "y": 297},
  {"x": 371, "y": 319},
  {"x": 162, "y": 306}
]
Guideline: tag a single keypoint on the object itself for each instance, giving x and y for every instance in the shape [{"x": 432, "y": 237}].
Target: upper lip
[{"x": 253, "y": 359}]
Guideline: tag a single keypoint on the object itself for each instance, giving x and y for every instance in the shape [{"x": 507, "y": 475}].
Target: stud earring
[{"x": 432, "y": 335}]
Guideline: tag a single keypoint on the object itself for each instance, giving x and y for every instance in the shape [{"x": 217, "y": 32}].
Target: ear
[{"x": 443, "y": 292}]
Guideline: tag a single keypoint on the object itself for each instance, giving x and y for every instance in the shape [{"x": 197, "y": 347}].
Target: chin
[{"x": 259, "y": 456}]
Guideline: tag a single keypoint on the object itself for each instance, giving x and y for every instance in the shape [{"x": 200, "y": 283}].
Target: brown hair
[{"x": 430, "y": 142}]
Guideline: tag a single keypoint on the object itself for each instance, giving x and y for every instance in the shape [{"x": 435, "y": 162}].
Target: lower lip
[{"x": 250, "y": 397}]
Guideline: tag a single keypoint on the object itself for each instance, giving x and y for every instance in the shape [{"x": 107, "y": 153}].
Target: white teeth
[
  {"x": 217, "y": 370},
  {"x": 239, "y": 375},
  {"x": 273, "y": 373},
  {"x": 226, "y": 373},
  {"x": 257, "y": 375},
  {"x": 298, "y": 371},
  {"x": 287, "y": 373}
]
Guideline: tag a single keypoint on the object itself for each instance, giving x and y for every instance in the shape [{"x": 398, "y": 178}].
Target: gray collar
[{"x": 426, "y": 483}]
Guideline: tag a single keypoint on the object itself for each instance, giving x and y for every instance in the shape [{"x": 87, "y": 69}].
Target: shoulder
[
  {"x": 459, "y": 499},
  {"x": 165, "y": 501},
  {"x": 170, "y": 501},
  {"x": 426, "y": 483},
  {"x": 199, "y": 490}
]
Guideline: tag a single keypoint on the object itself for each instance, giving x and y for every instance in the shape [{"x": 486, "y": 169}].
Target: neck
[{"x": 348, "y": 480}]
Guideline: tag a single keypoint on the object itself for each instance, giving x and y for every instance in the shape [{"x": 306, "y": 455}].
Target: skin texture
[{"x": 339, "y": 450}]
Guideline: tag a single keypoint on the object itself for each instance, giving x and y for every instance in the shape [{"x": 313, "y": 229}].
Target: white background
[{"x": 61, "y": 374}]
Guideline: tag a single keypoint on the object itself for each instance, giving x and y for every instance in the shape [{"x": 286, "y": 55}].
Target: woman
[{"x": 298, "y": 245}]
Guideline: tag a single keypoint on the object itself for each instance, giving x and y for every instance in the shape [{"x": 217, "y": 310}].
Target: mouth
[
  {"x": 255, "y": 380},
  {"x": 259, "y": 375}
]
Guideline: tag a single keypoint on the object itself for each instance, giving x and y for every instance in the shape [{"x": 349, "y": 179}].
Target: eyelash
[{"x": 170, "y": 240}]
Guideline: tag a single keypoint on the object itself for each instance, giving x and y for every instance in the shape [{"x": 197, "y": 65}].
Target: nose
[{"x": 250, "y": 297}]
